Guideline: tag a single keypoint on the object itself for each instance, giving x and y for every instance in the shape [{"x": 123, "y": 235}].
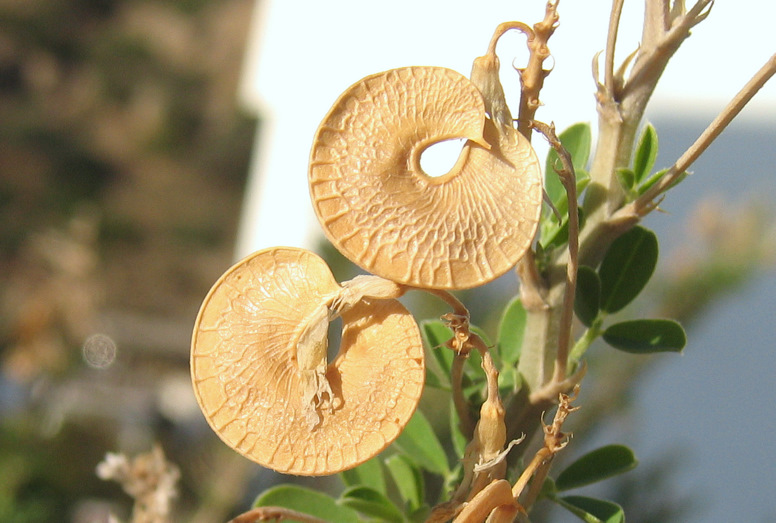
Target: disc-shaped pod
[
  {"x": 246, "y": 377},
  {"x": 381, "y": 210}
]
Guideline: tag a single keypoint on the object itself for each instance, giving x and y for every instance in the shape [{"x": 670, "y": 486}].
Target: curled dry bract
[
  {"x": 246, "y": 379},
  {"x": 384, "y": 213}
]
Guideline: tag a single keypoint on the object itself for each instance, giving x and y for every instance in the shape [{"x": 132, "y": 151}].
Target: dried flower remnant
[
  {"x": 260, "y": 372},
  {"x": 379, "y": 208},
  {"x": 149, "y": 478}
]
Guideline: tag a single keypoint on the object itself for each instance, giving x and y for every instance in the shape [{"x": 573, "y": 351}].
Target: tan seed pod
[
  {"x": 381, "y": 210},
  {"x": 246, "y": 365}
]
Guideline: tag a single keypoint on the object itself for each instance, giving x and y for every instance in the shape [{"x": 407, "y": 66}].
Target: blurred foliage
[{"x": 122, "y": 169}]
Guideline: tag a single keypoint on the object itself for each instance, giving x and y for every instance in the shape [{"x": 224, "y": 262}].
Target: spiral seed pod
[
  {"x": 381, "y": 210},
  {"x": 257, "y": 346}
]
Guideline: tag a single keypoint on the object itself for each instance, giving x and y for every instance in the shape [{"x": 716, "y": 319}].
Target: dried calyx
[
  {"x": 260, "y": 372},
  {"x": 313, "y": 344}
]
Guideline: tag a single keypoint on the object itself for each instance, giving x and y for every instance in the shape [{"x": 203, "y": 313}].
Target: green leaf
[
  {"x": 419, "y": 443},
  {"x": 548, "y": 489},
  {"x": 553, "y": 234},
  {"x": 408, "y": 479},
  {"x": 371, "y": 503},
  {"x": 587, "y": 299},
  {"x": 592, "y": 510},
  {"x": 307, "y": 501},
  {"x": 510, "y": 331},
  {"x": 627, "y": 267},
  {"x": 583, "y": 180},
  {"x": 577, "y": 140},
  {"x": 627, "y": 179},
  {"x": 549, "y": 219},
  {"x": 434, "y": 380},
  {"x": 646, "y": 336},
  {"x": 679, "y": 179},
  {"x": 482, "y": 334},
  {"x": 549, "y": 224},
  {"x": 435, "y": 334},
  {"x": 646, "y": 153},
  {"x": 473, "y": 367},
  {"x": 508, "y": 380},
  {"x": 369, "y": 473},
  {"x": 595, "y": 466},
  {"x": 653, "y": 179}
]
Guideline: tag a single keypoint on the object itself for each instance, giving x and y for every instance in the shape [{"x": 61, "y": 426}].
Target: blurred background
[
  {"x": 127, "y": 134},
  {"x": 123, "y": 158}
]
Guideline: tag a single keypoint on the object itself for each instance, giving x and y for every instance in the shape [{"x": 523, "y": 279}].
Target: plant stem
[
  {"x": 569, "y": 180},
  {"x": 466, "y": 423},
  {"x": 533, "y": 75},
  {"x": 459, "y": 322},
  {"x": 621, "y": 101},
  {"x": 541, "y": 338},
  {"x": 584, "y": 342},
  {"x": 611, "y": 44},
  {"x": 554, "y": 441},
  {"x": 459, "y": 309},
  {"x": 599, "y": 233}
]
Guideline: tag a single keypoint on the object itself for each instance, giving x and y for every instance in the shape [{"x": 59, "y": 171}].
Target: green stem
[
  {"x": 584, "y": 342},
  {"x": 542, "y": 329}
]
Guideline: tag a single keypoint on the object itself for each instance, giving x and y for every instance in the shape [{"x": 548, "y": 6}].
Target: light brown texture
[
  {"x": 247, "y": 381},
  {"x": 379, "y": 208}
]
